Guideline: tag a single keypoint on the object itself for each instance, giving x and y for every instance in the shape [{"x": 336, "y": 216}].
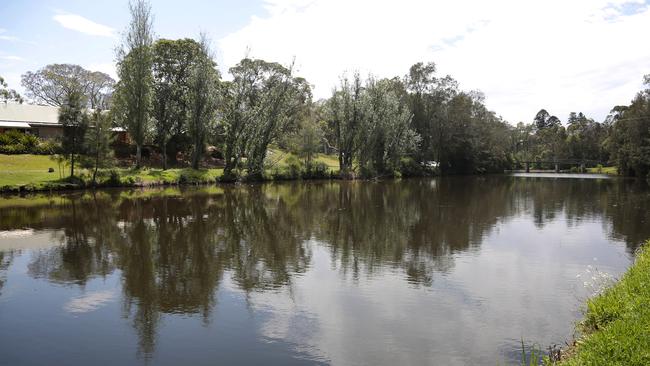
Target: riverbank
[
  {"x": 26, "y": 173},
  {"x": 616, "y": 326},
  {"x": 35, "y": 173},
  {"x": 38, "y": 173}
]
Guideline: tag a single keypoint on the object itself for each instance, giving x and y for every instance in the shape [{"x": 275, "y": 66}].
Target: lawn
[
  {"x": 32, "y": 170},
  {"x": 16, "y": 170},
  {"x": 277, "y": 157},
  {"x": 617, "y": 323},
  {"x": 31, "y": 173},
  {"x": 610, "y": 170}
]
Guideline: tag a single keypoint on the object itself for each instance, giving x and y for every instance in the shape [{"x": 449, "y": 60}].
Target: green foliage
[
  {"x": 203, "y": 92},
  {"x": 173, "y": 61},
  {"x": 387, "y": 134},
  {"x": 134, "y": 92},
  {"x": 629, "y": 140},
  {"x": 17, "y": 142},
  {"x": 7, "y": 95},
  {"x": 98, "y": 140},
  {"x": 315, "y": 170},
  {"x": 617, "y": 323},
  {"x": 263, "y": 100},
  {"x": 75, "y": 122},
  {"x": 345, "y": 115},
  {"x": 457, "y": 130},
  {"x": 294, "y": 168}
]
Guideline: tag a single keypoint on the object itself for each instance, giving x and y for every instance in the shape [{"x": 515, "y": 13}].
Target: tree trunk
[
  {"x": 163, "y": 148},
  {"x": 71, "y": 165},
  {"x": 138, "y": 156},
  {"x": 195, "y": 157},
  {"x": 96, "y": 166}
]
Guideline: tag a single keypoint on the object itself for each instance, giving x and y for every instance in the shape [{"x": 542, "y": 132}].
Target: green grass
[
  {"x": 16, "y": 170},
  {"x": 617, "y": 323},
  {"x": 31, "y": 173},
  {"x": 277, "y": 157},
  {"x": 610, "y": 170}
]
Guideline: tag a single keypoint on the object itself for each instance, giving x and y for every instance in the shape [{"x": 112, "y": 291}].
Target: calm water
[{"x": 442, "y": 272}]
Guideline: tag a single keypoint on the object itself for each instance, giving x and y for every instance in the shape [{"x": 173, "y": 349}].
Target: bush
[
  {"x": 234, "y": 176},
  {"x": 11, "y": 137},
  {"x": 13, "y": 149},
  {"x": 408, "y": 167},
  {"x": 294, "y": 167},
  {"x": 16, "y": 142},
  {"x": 113, "y": 178},
  {"x": 47, "y": 148},
  {"x": 315, "y": 170}
]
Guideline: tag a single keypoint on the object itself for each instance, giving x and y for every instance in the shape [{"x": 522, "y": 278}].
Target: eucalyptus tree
[
  {"x": 551, "y": 136},
  {"x": 629, "y": 141},
  {"x": 421, "y": 84},
  {"x": 134, "y": 91},
  {"x": 99, "y": 89},
  {"x": 585, "y": 138},
  {"x": 262, "y": 100},
  {"x": 203, "y": 94},
  {"x": 237, "y": 109},
  {"x": 386, "y": 128},
  {"x": 7, "y": 94},
  {"x": 172, "y": 63},
  {"x": 345, "y": 117},
  {"x": 54, "y": 83},
  {"x": 281, "y": 97},
  {"x": 307, "y": 139}
]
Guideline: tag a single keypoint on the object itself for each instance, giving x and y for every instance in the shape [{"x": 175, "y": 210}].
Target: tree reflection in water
[{"x": 173, "y": 249}]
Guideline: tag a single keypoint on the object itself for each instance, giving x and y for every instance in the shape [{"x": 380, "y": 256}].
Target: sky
[{"x": 562, "y": 55}]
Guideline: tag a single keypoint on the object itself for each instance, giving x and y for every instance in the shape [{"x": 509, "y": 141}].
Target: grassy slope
[
  {"x": 18, "y": 170},
  {"x": 32, "y": 170},
  {"x": 611, "y": 170},
  {"x": 21, "y": 170},
  {"x": 278, "y": 157},
  {"x": 617, "y": 323}
]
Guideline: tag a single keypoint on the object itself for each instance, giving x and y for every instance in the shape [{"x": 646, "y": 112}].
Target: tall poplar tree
[{"x": 134, "y": 91}]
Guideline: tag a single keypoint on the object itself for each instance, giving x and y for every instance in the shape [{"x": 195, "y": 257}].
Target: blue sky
[
  {"x": 35, "y": 38},
  {"x": 579, "y": 55}
]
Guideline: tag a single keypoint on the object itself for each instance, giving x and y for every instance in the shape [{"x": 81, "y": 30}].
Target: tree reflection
[
  {"x": 173, "y": 250},
  {"x": 5, "y": 261}
]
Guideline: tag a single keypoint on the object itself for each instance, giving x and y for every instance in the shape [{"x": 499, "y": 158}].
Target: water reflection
[{"x": 174, "y": 250}]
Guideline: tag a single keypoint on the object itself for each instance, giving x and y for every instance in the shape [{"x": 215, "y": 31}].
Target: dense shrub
[
  {"x": 16, "y": 142},
  {"x": 408, "y": 167},
  {"x": 315, "y": 170}
]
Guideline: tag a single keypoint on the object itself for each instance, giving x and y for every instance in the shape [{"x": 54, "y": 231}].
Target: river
[{"x": 445, "y": 271}]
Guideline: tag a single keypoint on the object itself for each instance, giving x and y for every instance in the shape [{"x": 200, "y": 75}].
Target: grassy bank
[
  {"x": 31, "y": 173},
  {"x": 609, "y": 170},
  {"x": 616, "y": 326}
]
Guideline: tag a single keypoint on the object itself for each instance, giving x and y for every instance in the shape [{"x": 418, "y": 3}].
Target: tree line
[{"x": 170, "y": 94}]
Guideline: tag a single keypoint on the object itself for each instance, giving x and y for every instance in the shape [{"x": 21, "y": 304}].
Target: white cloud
[
  {"x": 560, "y": 55},
  {"x": 11, "y": 58},
  {"x": 5, "y": 37},
  {"x": 83, "y": 25}
]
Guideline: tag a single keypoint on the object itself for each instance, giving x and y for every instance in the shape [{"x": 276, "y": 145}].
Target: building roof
[
  {"x": 5, "y": 124},
  {"x": 27, "y": 113}
]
